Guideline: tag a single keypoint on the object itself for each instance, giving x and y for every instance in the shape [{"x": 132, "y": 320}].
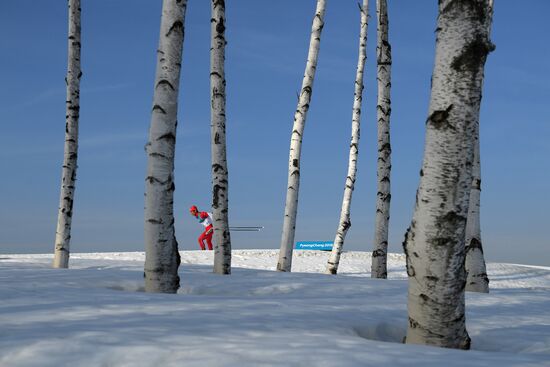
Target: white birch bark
[
  {"x": 220, "y": 181},
  {"x": 477, "y": 279},
  {"x": 291, "y": 204},
  {"x": 162, "y": 258},
  {"x": 345, "y": 219},
  {"x": 434, "y": 243},
  {"x": 383, "y": 108},
  {"x": 68, "y": 176}
]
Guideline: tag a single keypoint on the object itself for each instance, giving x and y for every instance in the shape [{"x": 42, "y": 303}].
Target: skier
[{"x": 206, "y": 220}]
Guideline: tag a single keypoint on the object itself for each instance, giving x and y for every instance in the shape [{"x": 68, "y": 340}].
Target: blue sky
[{"x": 266, "y": 52}]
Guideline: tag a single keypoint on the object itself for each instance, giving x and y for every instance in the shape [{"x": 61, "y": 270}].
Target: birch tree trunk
[
  {"x": 291, "y": 204},
  {"x": 162, "y": 258},
  {"x": 383, "y": 108},
  {"x": 434, "y": 243},
  {"x": 477, "y": 279},
  {"x": 345, "y": 220},
  {"x": 68, "y": 176},
  {"x": 220, "y": 190}
]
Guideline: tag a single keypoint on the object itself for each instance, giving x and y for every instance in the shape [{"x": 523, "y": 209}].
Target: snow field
[{"x": 96, "y": 314}]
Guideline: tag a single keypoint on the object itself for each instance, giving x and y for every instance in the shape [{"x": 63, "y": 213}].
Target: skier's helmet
[{"x": 193, "y": 209}]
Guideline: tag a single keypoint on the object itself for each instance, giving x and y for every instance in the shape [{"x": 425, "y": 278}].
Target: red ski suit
[{"x": 206, "y": 220}]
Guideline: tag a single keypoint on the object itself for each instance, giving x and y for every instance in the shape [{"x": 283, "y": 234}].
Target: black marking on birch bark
[
  {"x": 473, "y": 56},
  {"x": 152, "y": 180},
  {"x": 158, "y": 155},
  {"x": 451, "y": 218},
  {"x": 482, "y": 276},
  {"x": 159, "y": 109},
  {"x": 217, "y": 140},
  {"x": 165, "y": 82},
  {"x": 432, "y": 278},
  {"x": 295, "y": 162},
  {"x": 474, "y": 244},
  {"x": 385, "y": 197},
  {"x": 171, "y": 187},
  {"x": 413, "y": 324},
  {"x": 476, "y": 184},
  {"x": 217, "y": 3},
  {"x": 220, "y": 27},
  {"x": 170, "y": 137},
  {"x": 216, "y": 93},
  {"x": 154, "y": 221},
  {"x": 176, "y": 26},
  {"x": 385, "y": 147},
  {"x": 379, "y": 252},
  {"x": 442, "y": 241},
  {"x": 217, "y": 167},
  {"x": 346, "y": 225},
  {"x": 385, "y": 112},
  {"x": 215, "y": 73},
  {"x": 439, "y": 118},
  {"x": 306, "y": 89},
  {"x": 216, "y": 195},
  {"x": 59, "y": 247},
  {"x": 280, "y": 266}
]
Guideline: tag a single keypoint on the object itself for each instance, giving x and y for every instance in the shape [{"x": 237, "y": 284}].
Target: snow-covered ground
[{"x": 96, "y": 314}]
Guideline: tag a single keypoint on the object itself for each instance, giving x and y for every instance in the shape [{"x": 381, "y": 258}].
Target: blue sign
[{"x": 314, "y": 245}]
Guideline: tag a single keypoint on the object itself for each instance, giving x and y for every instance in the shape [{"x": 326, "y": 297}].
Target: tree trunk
[
  {"x": 434, "y": 243},
  {"x": 68, "y": 176},
  {"x": 291, "y": 204},
  {"x": 383, "y": 108},
  {"x": 162, "y": 258},
  {"x": 345, "y": 220},
  {"x": 220, "y": 181},
  {"x": 477, "y": 279}
]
